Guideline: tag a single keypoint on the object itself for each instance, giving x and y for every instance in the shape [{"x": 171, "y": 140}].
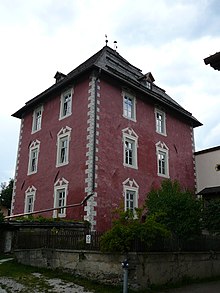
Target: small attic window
[
  {"x": 59, "y": 76},
  {"x": 147, "y": 79},
  {"x": 148, "y": 85},
  {"x": 217, "y": 167}
]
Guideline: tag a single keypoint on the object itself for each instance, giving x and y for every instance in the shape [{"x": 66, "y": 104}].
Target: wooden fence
[
  {"x": 57, "y": 239},
  {"x": 88, "y": 240}
]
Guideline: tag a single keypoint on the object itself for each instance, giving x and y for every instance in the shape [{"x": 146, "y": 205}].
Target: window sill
[
  {"x": 161, "y": 133},
  {"x": 61, "y": 165},
  {"x": 31, "y": 173},
  {"x": 130, "y": 166},
  {"x": 63, "y": 117},
  {"x": 163, "y": 175},
  {"x": 131, "y": 119},
  {"x": 34, "y": 131}
]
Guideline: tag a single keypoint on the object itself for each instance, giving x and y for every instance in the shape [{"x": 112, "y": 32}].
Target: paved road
[{"x": 210, "y": 287}]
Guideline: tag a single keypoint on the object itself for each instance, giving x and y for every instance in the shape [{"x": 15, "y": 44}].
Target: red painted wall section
[
  {"x": 111, "y": 172},
  {"x": 48, "y": 173}
]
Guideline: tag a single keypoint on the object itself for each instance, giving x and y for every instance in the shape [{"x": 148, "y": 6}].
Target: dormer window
[
  {"x": 59, "y": 76},
  {"x": 147, "y": 80},
  {"x": 148, "y": 85}
]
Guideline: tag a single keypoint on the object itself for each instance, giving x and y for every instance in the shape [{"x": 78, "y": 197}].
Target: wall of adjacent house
[
  {"x": 144, "y": 268},
  {"x": 206, "y": 173}
]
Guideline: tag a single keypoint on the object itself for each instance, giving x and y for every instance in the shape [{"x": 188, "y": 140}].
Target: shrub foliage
[
  {"x": 211, "y": 216},
  {"x": 128, "y": 228},
  {"x": 181, "y": 210}
]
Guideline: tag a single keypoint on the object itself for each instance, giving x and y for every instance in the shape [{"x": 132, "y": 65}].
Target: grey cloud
[{"x": 170, "y": 20}]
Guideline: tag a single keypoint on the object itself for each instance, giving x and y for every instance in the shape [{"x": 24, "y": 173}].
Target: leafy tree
[
  {"x": 211, "y": 216},
  {"x": 128, "y": 228},
  {"x": 6, "y": 194},
  {"x": 181, "y": 210}
]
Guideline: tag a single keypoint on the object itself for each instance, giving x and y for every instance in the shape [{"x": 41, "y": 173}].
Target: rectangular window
[
  {"x": 30, "y": 194},
  {"x": 60, "y": 196},
  {"x": 29, "y": 203},
  {"x": 66, "y": 104},
  {"x": 162, "y": 159},
  {"x": 130, "y": 200},
  {"x": 148, "y": 85},
  {"x": 63, "y": 139},
  {"x": 33, "y": 157},
  {"x": 61, "y": 199},
  {"x": 162, "y": 163},
  {"x": 129, "y": 108},
  {"x": 130, "y": 152},
  {"x": 130, "y": 141},
  {"x": 160, "y": 122},
  {"x": 33, "y": 161},
  {"x": 63, "y": 150},
  {"x": 37, "y": 117}
]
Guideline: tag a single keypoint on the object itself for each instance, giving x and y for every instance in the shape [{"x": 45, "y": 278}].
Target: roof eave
[
  {"x": 55, "y": 87},
  {"x": 193, "y": 121}
]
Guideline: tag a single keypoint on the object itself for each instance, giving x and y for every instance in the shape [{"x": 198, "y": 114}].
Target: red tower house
[{"x": 103, "y": 129}]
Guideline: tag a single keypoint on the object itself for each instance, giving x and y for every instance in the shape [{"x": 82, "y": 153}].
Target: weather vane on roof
[{"x": 106, "y": 40}]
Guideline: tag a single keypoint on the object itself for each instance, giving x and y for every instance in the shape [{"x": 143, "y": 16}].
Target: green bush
[
  {"x": 211, "y": 216},
  {"x": 181, "y": 210},
  {"x": 128, "y": 228}
]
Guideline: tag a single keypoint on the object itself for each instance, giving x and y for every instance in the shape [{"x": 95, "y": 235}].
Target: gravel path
[{"x": 8, "y": 285}]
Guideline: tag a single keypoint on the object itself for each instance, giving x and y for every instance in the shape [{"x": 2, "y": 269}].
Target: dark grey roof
[
  {"x": 210, "y": 190},
  {"x": 213, "y": 61},
  {"x": 113, "y": 64},
  {"x": 213, "y": 149}
]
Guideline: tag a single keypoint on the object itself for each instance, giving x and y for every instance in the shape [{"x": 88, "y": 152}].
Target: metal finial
[
  {"x": 106, "y": 40},
  {"x": 115, "y": 45}
]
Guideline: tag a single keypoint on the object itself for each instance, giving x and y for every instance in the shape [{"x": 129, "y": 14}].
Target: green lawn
[{"x": 26, "y": 275}]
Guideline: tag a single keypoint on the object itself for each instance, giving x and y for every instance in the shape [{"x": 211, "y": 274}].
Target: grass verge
[{"x": 24, "y": 275}]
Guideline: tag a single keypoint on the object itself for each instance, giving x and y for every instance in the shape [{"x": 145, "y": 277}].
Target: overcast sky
[{"x": 169, "y": 38}]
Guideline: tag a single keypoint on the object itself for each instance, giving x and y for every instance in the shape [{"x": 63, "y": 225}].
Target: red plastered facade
[{"x": 112, "y": 173}]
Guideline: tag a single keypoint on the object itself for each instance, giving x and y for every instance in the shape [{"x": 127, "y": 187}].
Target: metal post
[{"x": 125, "y": 265}]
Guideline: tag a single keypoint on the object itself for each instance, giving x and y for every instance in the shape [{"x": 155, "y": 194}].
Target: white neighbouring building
[{"x": 208, "y": 172}]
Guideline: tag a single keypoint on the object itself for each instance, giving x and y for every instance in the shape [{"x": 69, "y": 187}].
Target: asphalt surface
[{"x": 210, "y": 287}]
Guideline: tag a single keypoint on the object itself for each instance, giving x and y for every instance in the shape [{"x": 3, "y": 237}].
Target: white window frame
[
  {"x": 129, "y": 136},
  {"x": 33, "y": 149},
  {"x": 69, "y": 94},
  {"x": 63, "y": 135},
  {"x": 30, "y": 193},
  {"x": 37, "y": 119},
  {"x": 160, "y": 123},
  {"x": 61, "y": 185},
  {"x": 162, "y": 149},
  {"x": 130, "y": 186},
  {"x": 132, "y": 115}
]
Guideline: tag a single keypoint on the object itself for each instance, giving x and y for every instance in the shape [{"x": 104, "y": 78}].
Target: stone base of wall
[{"x": 144, "y": 268}]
